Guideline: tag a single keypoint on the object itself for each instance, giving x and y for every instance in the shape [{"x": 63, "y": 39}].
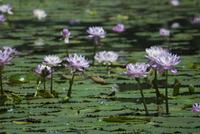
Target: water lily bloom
[
  {"x": 43, "y": 70},
  {"x": 137, "y": 70},
  {"x": 106, "y": 57},
  {"x": 6, "y": 9},
  {"x": 96, "y": 32},
  {"x": 175, "y": 25},
  {"x": 175, "y": 2},
  {"x": 76, "y": 62},
  {"x": 167, "y": 61},
  {"x": 196, "y": 20},
  {"x": 153, "y": 53},
  {"x": 2, "y": 19},
  {"x": 39, "y": 14},
  {"x": 52, "y": 60},
  {"x": 164, "y": 32},
  {"x": 66, "y": 34},
  {"x": 74, "y": 21},
  {"x": 196, "y": 107},
  {"x": 119, "y": 28},
  {"x": 6, "y": 55}
]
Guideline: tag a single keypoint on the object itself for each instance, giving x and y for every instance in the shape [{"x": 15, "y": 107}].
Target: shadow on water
[{"x": 138, "y": 100}]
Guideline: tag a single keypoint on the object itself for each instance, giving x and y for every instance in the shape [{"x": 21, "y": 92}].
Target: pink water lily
[
  {"x": 119, "y": 28},
  {"x": 76, "y": 62},
  {"x": 196, "y": 107},
  {"x": 137, "y": 70}
]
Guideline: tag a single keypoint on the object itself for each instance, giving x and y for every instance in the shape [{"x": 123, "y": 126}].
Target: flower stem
[
  {"x": 108, "y": 70},
  {"x": 70, "y": 85},
  {"x": 155, "y": 85},
  {"x": 37, "y": 88},
  {"x": 142, "y": 95},
  {"x": 51, "y": 87},
  {"x": 44, "y": 83},
  {"x": 166, "y": 93},
  {"x": 94, "y": 52},
  {"x": 1, "y": 82}
]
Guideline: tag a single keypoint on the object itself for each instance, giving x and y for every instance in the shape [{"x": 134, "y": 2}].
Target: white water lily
[{"x": 39, "y": 14}]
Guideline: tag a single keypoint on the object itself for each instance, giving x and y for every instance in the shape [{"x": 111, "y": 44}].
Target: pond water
[{"x": 94, "y": 106}]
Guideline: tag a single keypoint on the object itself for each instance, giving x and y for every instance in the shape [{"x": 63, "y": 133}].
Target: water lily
[
  {"x": 39, "y": 14},
  {"x": 77, "y": 63},
  {"x": 196, "y": 20},
  {"x": 43, "y": 71},
  {"x": 52, "y": 61},
  {"x": 175, "y": 2},
  {"x": 153, "y": 53},
  {"x": 106, "y": 58},
  {"x": 196, "y": 107},
  {"x": 164, "y": 32},
  {"x": 6, "y": 55},
  {"x": 119, "y": 28},
  {"x": 175, "y": 25},
  {"x": 66, "y": 34},
  {"x": 96, "y": 34},
  {"x": 7, "y": 8},
  {"x": 2, "y": 19},
  {"x": 167, "y": 62},
  {"x": 136, "y": 71}
]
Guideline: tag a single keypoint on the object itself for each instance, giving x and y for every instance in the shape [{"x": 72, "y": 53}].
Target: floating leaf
[
  {"x": 45, "y": 94},
  {"x": 123, "y": 119},
  {"x": 26, "y": 121},
  {"x": 98, "y": 80}
]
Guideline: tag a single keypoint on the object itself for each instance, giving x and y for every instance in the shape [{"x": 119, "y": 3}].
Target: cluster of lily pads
[{"x": 160, "y": 60}]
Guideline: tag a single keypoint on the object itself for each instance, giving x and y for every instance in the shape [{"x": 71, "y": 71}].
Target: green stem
[
  {"x": 37, "y": 88},
  {"x": 51, "y": 87},
  {"x": 70, "y": 85},
  {"x": 142, "y": 95},
  {"x": 108, "y": 70},
  {"x": 155, "y": 85},
  {"x": 166, "y": 93},
  {"x": 93, "y": 55},
  {"x": 44, "y": 83},
  {"x": 1, "y": 82}
]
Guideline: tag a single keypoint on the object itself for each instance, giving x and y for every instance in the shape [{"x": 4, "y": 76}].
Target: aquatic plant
[
  {"x": 119, "y": 28},
  {"x": 167, "y": 62},
  {"x": 175, "y": 25},
  {"x": 44, "y": 72},
  {"x": 77, "y": 63},
  {"x": 52, "y": 61},
  {"x": 6, "y": 55},
  {"x": 196, "y": 107},
  {"x": 195, "y": 20},
  {"x": 96, "y": 34},
  {"x": 175, "y": 2},
  {"x": 164, "y": 32},
  {"x": 151, "y": 54},
  {"x": 7, "y": 8},
  {"x": 136, "y": 71},
  {"x": 106, "y": 58},
  {"x": 65, "y": 33},
  {"x": 39, "y": 14},
  {"x": 2, "y": 19}
]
